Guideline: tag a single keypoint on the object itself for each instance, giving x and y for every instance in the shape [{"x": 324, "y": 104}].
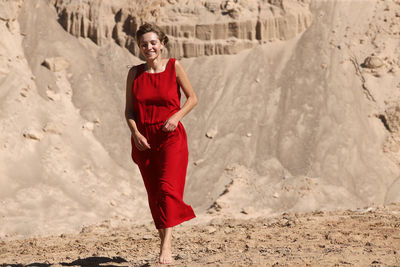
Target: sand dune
[{"x": 296, "y": 123}]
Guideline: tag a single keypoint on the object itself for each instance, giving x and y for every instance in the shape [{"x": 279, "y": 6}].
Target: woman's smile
[{"x": 150, "y": 45}]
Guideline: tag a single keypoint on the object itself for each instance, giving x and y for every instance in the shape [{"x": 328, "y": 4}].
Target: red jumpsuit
[{"x": 156, "y": 96}]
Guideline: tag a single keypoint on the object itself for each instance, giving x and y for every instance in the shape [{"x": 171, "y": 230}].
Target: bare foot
[
  {"x": 165, "y": 255},
  {"x": 165, "y": 246}
]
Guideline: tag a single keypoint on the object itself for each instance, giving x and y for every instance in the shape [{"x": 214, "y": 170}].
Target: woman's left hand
[{"x": 170, "y": 124}]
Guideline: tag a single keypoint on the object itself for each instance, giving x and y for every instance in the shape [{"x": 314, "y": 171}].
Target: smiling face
[{"x": 150, "y": 46}]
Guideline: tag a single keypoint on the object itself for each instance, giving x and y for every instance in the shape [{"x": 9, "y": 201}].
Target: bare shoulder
[
  {"x": 177, "y": 63},
  {"x": 178, "y": 67}
]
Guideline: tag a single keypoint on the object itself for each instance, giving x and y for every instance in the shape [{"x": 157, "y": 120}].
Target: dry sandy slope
[
  {"x": 55, "y": 174},
  {"x": 297, "y": 112},
  {"x": 366, "y": 237},
  {"x": 295, "y": 127}
]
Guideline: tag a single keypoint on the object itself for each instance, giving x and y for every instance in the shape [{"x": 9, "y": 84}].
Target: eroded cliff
[{"x": 195, "y": 28}]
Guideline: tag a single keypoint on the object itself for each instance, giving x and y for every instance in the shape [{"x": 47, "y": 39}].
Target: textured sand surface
[
  {"x": 299, "y": 111},
  {"x": 365, "y": 237}
]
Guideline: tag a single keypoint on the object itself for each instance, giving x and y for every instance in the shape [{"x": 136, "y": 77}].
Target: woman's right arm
[{"x": 140, "y": 141}]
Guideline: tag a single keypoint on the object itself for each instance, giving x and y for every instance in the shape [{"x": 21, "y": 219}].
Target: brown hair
[{"x": 148, "y": 27}]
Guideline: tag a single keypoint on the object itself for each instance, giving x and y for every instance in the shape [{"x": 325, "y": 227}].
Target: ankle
[{"x": 165, "y": 245}]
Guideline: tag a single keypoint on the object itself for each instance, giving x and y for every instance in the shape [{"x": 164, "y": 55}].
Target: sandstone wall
[{"x": 195, "y": 29}]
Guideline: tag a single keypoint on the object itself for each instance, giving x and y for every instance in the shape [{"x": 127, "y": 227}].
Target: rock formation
[{"x": 195, "y": 28}]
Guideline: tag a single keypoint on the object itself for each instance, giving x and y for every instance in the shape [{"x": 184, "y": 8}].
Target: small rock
[
  {"x": 376, "y": 263},
  {"x": 56, "y": 64},
  {"x": 228, "y": 230},
  {"x": 88, "y": 126},
  {"x": 147, "y": 237},
  {"x": 32, "y": 134},
  {"x": 372, "y": 62},
  {"x": 112, "y": 203},
  {"x": 232, "y": 8},
  {"x": 364, "y": 210},
  {"x": 286, "y": 175},
  {"x": 275, "y": 195},
  {"x": 50, "y": 127},
  {"x": 198, "y": 162},
  {"x": 229, "y": 168},
  {"x": 248, "y": 134},
  {"x": 52, "y": 95},
  {"x": 23, "y": 94},
  {"x": 216, "y": 206},
  {"x": 258, "y": 80},
  {"x": 377, "y": 74},
  {"x": 247, "y": 211},
  {"x": 211, "y": 133},
  {"x": 210, "y": 229},
  {"x": 285, "y": 223}
]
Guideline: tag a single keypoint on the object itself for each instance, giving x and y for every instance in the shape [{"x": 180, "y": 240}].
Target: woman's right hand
[{"x": 140, "y": 142}]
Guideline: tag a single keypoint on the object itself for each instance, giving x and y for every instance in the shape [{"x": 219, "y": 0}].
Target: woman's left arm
[{"x": 191, "y": 98}]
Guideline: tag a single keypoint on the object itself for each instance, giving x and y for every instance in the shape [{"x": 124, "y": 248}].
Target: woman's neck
[{"x": 156, "y": 65}]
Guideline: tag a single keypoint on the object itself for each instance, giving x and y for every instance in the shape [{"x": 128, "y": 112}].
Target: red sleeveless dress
[{"x": 156, "y": 96}]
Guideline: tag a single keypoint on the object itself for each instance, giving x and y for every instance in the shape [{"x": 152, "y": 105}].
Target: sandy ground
[{"x": 364, "y": 237}]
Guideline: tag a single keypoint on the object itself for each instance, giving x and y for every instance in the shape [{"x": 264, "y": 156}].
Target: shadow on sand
[{"x": 86, "y": 262}]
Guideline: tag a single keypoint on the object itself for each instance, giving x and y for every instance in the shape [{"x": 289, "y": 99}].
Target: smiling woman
[
  {"x": 151, "y": 40},
  {"x": 158, "y": 138}
]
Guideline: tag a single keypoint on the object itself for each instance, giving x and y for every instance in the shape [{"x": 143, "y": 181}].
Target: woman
[{"x": 159, "y": 144}]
